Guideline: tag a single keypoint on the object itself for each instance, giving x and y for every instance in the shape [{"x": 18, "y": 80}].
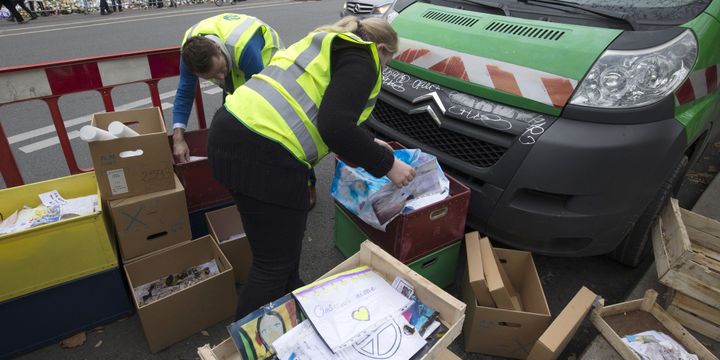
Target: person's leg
[
  {"x": 31, "y": 4},
  {"x": 23, "y": 6},
  {"x": 275, "y": 234}
]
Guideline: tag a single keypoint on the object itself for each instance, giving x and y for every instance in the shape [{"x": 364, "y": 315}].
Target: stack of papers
[{"x": 53, "y": 208}]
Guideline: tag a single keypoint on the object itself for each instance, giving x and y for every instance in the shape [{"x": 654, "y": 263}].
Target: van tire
[{"x": 637, "y": 245}]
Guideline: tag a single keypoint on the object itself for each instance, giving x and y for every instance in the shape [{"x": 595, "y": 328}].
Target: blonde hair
[{"x": 376, "y": 30}]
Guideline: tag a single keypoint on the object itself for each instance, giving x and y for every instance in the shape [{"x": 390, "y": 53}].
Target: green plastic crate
[{"x": 438, "y": 266}]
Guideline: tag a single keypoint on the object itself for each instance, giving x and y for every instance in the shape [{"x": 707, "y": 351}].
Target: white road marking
[
  {"x": 213, "y": 90},
  {"x": 146, "y": 17},
  {"x": 47, "y": 142}
]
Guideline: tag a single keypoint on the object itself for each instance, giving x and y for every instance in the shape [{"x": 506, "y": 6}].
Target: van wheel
[{"x": 637, "y": 245}]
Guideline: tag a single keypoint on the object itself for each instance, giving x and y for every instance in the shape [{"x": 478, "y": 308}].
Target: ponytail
[{"x": 376, "y": 30}]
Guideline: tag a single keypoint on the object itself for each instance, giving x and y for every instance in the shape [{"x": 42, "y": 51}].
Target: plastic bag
[{"x": 377, "y": 201}]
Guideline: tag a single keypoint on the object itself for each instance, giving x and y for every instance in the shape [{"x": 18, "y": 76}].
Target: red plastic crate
[
  {"x": 201, "y": 189},
  {"x": 417, "y": 233}
]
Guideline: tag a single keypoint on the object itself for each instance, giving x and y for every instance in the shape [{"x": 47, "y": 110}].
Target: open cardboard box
[
  {"x": 227, "y": 229},
  {"x": 121, "y": 170},
  {"x": 510, "y": 333},
  {"x": 190, "y": 310},
  {"x": 150, "y": 222},
  {"x": 504, "y": 332},
  {"x": 452, "y": 311}
]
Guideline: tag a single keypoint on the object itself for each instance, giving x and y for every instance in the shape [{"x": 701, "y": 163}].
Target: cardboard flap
[
  {"x": 554, "y": 340},
  {"x": 501, "y": 288},
  {"x": 476, "y": 274}
]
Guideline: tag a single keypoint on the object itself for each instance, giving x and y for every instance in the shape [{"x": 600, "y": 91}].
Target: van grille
[
  {"x": 423, "y": 129},
  {"x": 459, "y": 20},
  {"x": 524, "y": 30}
]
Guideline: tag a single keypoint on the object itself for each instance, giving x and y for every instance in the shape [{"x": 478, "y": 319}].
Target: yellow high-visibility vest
[
  {"x": 281, "y": 102},
  {"x": 234, "y": 31}
]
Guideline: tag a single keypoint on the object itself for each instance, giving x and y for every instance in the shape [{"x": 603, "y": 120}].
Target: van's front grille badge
[{"x": 422, "y": 128}]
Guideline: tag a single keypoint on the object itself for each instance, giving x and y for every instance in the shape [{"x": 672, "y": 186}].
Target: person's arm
[
  {"x": 353, "y": 78},
  {"x": 251, "y": 61},
  {"x": 181, "y": 112}
]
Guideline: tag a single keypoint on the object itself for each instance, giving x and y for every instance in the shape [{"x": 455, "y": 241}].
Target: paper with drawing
[
  {"x": 392, "y": 339},
  {"x": 345, "y": 305}
]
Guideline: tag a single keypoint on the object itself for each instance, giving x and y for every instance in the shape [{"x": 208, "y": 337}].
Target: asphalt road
[{"x": 72, "y": 36}]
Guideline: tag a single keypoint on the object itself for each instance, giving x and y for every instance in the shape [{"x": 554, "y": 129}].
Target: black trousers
[
  {"x": 104, "y": 8},
  {"x": 23, "y": 6},
  {"x": 275, "y": 234}
]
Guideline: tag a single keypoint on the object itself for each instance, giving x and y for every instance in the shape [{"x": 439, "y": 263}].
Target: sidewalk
[{"x": 709, "y": 206}]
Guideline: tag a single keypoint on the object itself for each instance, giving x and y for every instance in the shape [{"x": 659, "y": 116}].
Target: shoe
[
  {"x": 312, "y": 196},
  {"x": 22, "y": 22},
  {"x": 33, "y": 17}
]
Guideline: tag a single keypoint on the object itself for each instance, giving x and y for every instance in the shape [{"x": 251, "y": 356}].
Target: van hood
[{"x": 525, "y": 63}]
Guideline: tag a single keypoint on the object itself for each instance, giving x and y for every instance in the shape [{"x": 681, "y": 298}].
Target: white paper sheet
[
  {"x": 393, "y": 339},
  {"x": 345, "y": 305}
]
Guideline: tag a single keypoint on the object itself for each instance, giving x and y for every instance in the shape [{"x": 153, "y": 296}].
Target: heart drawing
[{"x": 361, "y": 314}]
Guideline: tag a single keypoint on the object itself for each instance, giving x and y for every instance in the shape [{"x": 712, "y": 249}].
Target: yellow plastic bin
[{"x": 51, "y": 254}]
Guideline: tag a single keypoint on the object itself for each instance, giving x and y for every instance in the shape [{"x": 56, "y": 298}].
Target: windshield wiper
[
  {"x": 487, "y": 4},
  {"x": 604, "y": 13}
]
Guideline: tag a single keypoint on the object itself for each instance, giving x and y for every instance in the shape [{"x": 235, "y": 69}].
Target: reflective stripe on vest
[
  {"x": 293, "y": 120},
  {"x": 285, "y": 92}
]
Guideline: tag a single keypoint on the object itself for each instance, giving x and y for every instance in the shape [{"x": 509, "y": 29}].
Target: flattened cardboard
[
  {"x": 223, "y": 224},
  {"x": 190, "y": 310},
  {"x": 119, "y": 176},
  {"x": 476, "y": 274},
  {"x": 501, "y": 288},
  {"x": 554, "y": 340},
  {"x": 150, "y": 222},
  {"x": 503, "y": 332}
]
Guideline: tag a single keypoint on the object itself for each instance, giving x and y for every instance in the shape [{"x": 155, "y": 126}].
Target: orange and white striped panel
[
  {"x": 543, "y": 87},
  {"x": 699, "y": 84}
]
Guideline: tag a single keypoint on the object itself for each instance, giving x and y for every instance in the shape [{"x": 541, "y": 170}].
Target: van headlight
[{"x": 624, "y": 79}]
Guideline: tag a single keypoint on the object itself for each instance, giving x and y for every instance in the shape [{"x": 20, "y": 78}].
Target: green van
[{"x": 573, "y": 122}]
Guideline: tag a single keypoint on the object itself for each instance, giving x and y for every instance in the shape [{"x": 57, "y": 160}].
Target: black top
[{"x": 256, "y": 166}]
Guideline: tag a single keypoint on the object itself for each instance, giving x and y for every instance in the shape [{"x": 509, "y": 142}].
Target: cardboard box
[
  {"x": 147, "y": 223},
  {"x": 503, "y": 332},
  {"x": 451, "y": 309},
  {"x": 192, "y": 309},
  {"x": 554, "y": 340},
  {"x": 501, "y": 288},
  {"x": 476, "y": 274},
  {"x": 227, "y": 229},
  {"x": 119, "y": 173}
]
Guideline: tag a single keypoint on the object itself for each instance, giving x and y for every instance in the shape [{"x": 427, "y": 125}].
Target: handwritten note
[
  {"x": 346, "y": 305},
  {"x": 393, "y": 339}
]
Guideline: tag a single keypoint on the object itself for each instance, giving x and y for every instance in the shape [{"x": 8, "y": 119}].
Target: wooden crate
[
  {"x": 695, "y": 315},
  {"x": 632, "y": 317},
  {"x": 452, "y": 310},
  {"x": 687, "y": 253}
]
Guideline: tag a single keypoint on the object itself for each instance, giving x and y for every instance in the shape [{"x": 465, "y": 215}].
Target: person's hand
[
  {"x": 401, "y": 173},
  {"x": 181, "y": 152},
  {"x": 382, "y": 143}
]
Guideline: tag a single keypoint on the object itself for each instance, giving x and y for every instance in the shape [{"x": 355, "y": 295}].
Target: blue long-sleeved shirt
[{"x": 250, "y": 63}]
